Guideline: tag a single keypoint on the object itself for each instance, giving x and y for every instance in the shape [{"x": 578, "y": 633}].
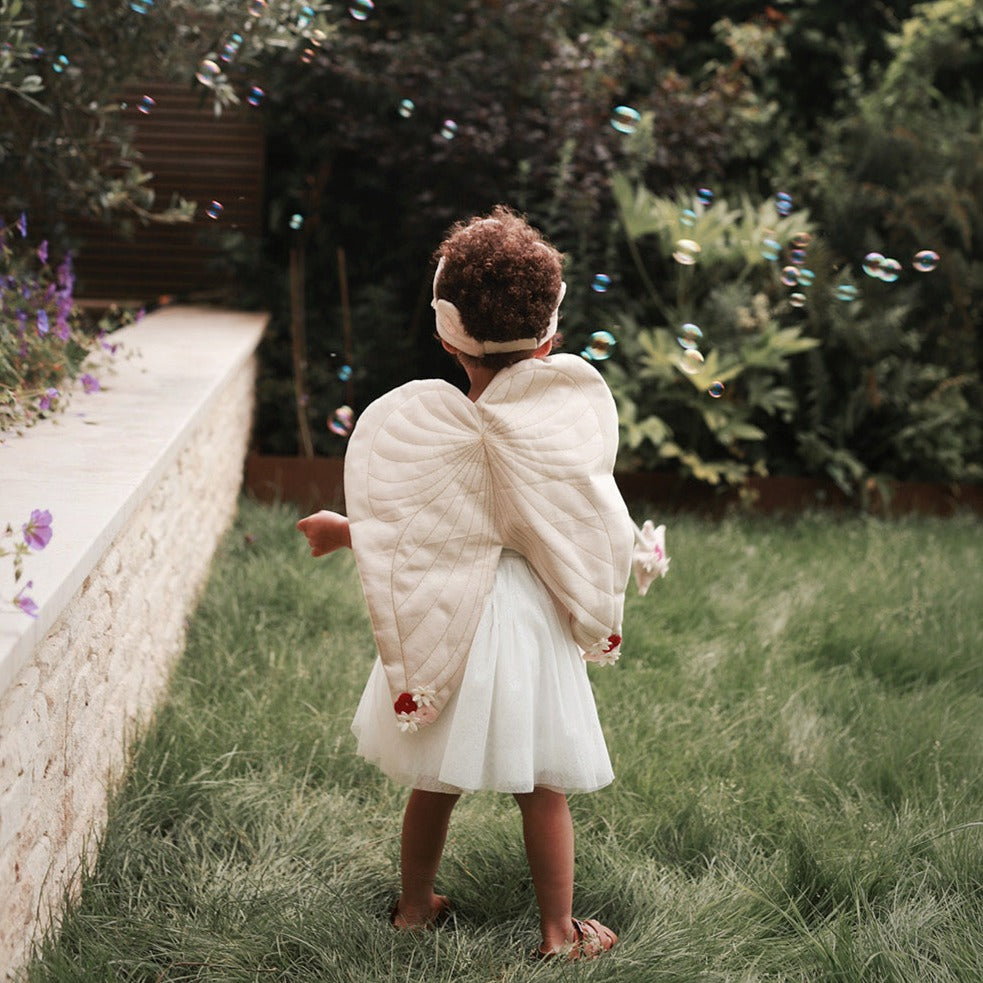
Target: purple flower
[
  {"x": 44, "y": 403},
  {"x": 26, "y": 604},
  {"x": 43, "y": 251},
  {"x": 66, "y": 279},
  {"x": 90, "y": 383},
  {"x": 37, "y": 529},
  {"x": 22, "y": 224},
  {"x": 42, "y": 322}
]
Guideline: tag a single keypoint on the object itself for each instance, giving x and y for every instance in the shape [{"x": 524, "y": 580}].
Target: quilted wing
[
  {"x": 420, "y": 504},
  {"x": 553, "y": 438}
]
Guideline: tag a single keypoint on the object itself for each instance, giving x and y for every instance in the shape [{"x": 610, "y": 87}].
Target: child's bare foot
[
  {"x": 406, "y": 917},
  {"x": 590, "y": 939}
]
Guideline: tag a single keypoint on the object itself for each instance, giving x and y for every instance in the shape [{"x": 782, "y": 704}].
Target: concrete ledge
[{"x": 141, "y": 480}]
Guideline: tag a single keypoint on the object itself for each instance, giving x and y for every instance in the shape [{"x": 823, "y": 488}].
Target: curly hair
[{"x": 503, "y": 277}]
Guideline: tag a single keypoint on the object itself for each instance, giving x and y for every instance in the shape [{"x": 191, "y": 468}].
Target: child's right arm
[{"x": 326, "y": 532}]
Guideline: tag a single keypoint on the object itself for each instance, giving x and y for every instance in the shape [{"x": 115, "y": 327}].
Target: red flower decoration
[
  {"x": 405, "y": 703},
  {"x": 613, "y": 642}
]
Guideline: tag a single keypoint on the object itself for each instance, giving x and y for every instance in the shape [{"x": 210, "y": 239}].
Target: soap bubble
[
  {"x": 307, "y": 56},
  {"x": 146, "y": 105},
  {"x": 257, "y": 8},
  {"x": 716, "y": 389},
  {"x": 771, "y": 249},
  {"x": 890, "y": 270},
  {"x": 872, "y": 264},
  {"x": 600, "y": 283},
  {"x": 141, "y": 6},
  {"x": 296, "y": 221},
  {"x": 705, "y": 195},
  {"x": 406, "y": 108},
  {"x": 801, "y": 240},
  {"x": 215, "y": 209},
  {"x": 806, "y": 277},
  {"x": 790, "y": 276},
  {"x": 256, "y": 95},
  {"x": 687, "y": 217},
  {"x": 846, "y": 292},
  {"x": 797, "y": 299},
  {"x": 797, "y": 256},
  {"x": 689, "y": 336},
  {"x": 318, "y": 37},
  {"x": 625, "y": 119},
  {"x": 691, "y": 361},
  {"x": 925, "y": 260},
  {"x": 361, "y": 9},
  {"x": 687, "y": 252},
  {"x": 783, "y": 203},
  {"x": 345, "y": 373},
  {"x": 208, "y": 71},
  {"x": 80, "y": 4},
  {"x": 448, "y": 129},
  {"x": 60, "y": 64},
  {"x": 305, "y": 17},
  {"x": 600, "y": 346},
  {"x": 341, "y": 421}
]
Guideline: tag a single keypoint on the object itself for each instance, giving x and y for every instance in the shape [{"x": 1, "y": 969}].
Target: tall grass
[{"x": 796, "y": 727}]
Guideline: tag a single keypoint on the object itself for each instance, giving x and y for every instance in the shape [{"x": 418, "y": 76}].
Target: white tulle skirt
[{"x": 523, "y": 716}]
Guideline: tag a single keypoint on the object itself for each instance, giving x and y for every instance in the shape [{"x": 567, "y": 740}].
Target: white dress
[{"x": 523, "y": 715}]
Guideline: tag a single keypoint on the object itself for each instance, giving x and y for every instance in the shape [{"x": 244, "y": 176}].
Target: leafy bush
[{"x": 708, "y": 398}]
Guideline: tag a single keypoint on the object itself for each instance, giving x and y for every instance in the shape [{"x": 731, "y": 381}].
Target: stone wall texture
[{"x": 98, "y": 673}]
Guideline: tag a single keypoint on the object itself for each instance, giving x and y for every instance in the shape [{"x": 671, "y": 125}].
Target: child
[{"x": 493, "y": 549}]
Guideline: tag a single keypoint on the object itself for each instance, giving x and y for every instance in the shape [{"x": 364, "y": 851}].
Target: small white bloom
[
  {"x": 424, "y": 696},
  {"x": 407, "y": 722},
  {"x": 649, "y": 558},
  {"x": 604, "y": 652}
]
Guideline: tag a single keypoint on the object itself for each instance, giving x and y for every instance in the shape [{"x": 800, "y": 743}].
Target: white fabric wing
[{"x": 436, "y": 485}]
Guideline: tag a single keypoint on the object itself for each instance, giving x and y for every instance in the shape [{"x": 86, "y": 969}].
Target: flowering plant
[
  {"x": 44, "y": 337},
  {"x": 36, "y": 534}
]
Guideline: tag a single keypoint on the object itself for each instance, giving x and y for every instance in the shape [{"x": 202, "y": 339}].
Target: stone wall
[{"x": 97, "y": 672}]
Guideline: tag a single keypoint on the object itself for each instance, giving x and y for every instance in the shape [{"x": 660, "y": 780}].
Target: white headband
[{"x": 451, "y": 328}]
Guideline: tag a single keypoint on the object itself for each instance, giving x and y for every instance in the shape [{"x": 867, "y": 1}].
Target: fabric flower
[
  {"x": 25, "y": 603},
  {"x": 37, "y": 529},
  {"x": 43, "y": 251},
  {"x": 42, "y": 322},
  {"x": 44, "y": 403},
  {"x": 407, "y": 723},
  {"x": 649, "y": 558},
  {"x": 424, "y": 696},
  {"x": 22, "y": 224},
  {"x": 605, "y": 651},
  {"x": 405, "y": 704},
  {"x": 90, "y": 383}
]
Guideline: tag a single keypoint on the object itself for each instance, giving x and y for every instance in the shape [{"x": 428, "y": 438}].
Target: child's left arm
[{"x": 326, "y": 532}]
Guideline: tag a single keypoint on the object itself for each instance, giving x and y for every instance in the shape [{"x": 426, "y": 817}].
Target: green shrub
[{"x": 749, "y": 335}]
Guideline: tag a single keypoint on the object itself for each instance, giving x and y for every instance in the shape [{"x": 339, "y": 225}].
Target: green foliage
[
  {"x": 44, "y": 337},
  {"x": 66, "y": 144},
  {"x": 897, "y": 389},
  {"x": 531, "y": 87},
  {"x": 865, "y": 400},
  {"x": 749, "y": 335}
]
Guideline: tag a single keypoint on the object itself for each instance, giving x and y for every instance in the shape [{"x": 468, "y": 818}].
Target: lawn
[{"x": 796, "y": 726}]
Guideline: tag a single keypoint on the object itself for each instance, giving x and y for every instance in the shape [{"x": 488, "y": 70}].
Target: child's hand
[{"x": 326, "y": 532}]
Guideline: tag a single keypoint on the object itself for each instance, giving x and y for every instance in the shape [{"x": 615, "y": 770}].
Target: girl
[{"x": 493, "y": 549}]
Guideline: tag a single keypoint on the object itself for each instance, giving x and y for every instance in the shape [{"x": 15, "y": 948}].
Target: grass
[{"x": 796, "y": 727}]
